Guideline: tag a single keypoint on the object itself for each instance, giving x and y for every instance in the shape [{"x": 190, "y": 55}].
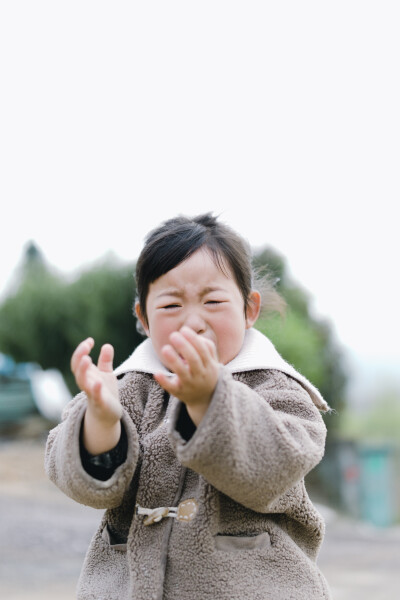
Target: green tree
[
  {"x": 30, "y": 314},
  {"x": 303, "y": 340},
  {"x": 46, "y": 317}
]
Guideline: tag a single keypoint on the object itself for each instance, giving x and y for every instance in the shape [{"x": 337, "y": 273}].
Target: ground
[{"x": 44, "y": 536}]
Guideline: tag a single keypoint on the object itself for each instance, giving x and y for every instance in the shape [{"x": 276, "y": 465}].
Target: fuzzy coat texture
[{"x": 255, "y": 534}]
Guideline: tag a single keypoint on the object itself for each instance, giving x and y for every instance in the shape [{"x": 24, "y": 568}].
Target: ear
[
  {"x": 141, "y": 318},
  {"x": 253, "y": 309}
]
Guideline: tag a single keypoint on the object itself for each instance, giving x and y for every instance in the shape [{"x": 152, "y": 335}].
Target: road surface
[{"x": 44, "y": 536}]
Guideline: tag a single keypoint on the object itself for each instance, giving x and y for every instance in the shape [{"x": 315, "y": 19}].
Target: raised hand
[
  {"x": 102, "y": 419},
  {"x": 193, "y": 360}
]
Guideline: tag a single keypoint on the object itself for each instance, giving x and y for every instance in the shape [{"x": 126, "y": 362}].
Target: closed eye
[
  {"x": 214, "y": 302},
  {"x": 171, "y": 306}
]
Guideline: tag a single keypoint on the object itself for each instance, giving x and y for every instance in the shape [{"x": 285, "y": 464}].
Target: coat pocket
[
  {"x": 109, "y": 538},
  {"x": 233, "y": 543}
]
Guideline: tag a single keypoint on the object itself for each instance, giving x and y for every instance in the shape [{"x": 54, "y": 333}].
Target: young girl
[{"x": 198, "y": 444}]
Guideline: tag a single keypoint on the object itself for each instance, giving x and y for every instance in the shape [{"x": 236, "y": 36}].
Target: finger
[
  {"x": 204, "y": 347},
  {"x": 212, "y": 348},
  {"x": 173, "y": 361},
  {"x": 83, "y": 348},
  {"x": 186, "y": 350},
  {"x": 105, "y": 362},
  {"x": 81, "y": 373},
  {"x": 170, "y": 384}
]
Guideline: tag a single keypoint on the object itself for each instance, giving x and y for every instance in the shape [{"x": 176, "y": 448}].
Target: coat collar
[{"x": 257, "y": 352}]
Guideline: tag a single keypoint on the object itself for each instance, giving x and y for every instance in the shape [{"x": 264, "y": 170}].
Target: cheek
[
  {"x": 230, "y": 330},
  {"x": 160, "y": 330}
]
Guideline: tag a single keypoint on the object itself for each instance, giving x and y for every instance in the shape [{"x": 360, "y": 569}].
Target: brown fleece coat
[{"x": 255, "y": 534}]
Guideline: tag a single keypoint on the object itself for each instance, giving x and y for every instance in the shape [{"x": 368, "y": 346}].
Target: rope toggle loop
[{"x": 185, "y": 511}]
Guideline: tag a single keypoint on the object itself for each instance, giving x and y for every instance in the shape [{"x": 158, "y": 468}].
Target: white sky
[{"x": 281, "y": 116}]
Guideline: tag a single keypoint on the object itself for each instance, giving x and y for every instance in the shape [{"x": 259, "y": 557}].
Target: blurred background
[{"x": 283, "y": 119}]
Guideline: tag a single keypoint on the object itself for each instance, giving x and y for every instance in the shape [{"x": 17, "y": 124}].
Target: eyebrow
[{"x": 179, "y": 294}]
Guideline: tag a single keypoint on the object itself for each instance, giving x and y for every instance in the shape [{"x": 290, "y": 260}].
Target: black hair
[{"x": 177, "y": 239}]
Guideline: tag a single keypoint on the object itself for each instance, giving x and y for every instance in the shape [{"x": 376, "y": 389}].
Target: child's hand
[
  {"x": 104, "y": 410},
  {"x": 99, "y": 382},
  {"x": 194, "y": 361}
]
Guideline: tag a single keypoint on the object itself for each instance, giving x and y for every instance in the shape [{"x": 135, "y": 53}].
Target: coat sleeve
[
  {"x": 64, "y": 467},
  {"x": 254, "y": 443}
]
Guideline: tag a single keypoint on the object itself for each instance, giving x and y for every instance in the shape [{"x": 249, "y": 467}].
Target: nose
[{"x": 194, "y": 320}]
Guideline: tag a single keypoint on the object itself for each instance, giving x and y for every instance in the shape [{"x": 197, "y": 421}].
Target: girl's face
[{"x": 199, "y": 295}]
